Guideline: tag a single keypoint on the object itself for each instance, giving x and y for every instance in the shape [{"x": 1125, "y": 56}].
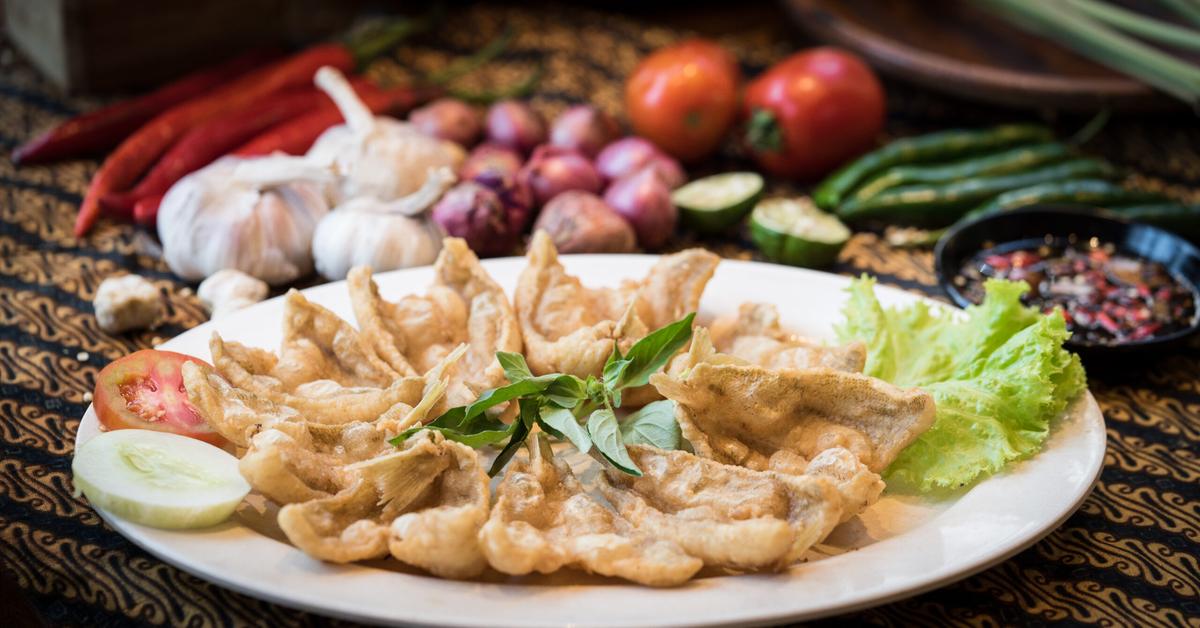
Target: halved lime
[
  {"x": 713, "y": 204},
  {"x": 793, "y": 231}
]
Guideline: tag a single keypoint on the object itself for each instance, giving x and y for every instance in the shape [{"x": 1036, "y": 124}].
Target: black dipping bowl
[{"x": 1026, "y": 228}]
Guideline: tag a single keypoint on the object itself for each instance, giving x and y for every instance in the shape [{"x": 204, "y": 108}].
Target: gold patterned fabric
[{"x": 1129, "y": 556}]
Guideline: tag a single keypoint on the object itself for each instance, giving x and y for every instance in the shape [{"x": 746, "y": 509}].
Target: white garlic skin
[
  {"x": 208, "y": 222},
  {"x": 387, "y": 162},
  {"x": 384, "y": 241}
]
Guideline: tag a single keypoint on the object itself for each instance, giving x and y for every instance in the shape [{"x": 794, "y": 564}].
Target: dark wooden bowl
[{"x": 956, "y": 47}]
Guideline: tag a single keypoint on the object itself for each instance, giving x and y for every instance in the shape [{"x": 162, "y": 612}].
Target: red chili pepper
[
  {"x": 104, "y": 128},
  {"x": 139, "y": 151},
  {"x": 136, "y": 153},
  {"x": 145, "y": 210},
  {"x": 295, "y": 136},
  {"x": 208, "y": 141},
  {"x": 1108, "y": 323}
]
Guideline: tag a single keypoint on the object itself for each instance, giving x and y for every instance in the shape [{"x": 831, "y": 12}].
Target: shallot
[
  {"x": 585, "y": 129},
  {"x": 580, "y": 222},
  {"x": 515, "y": 125},
  {"x": 630, "y": 154},
  {"x": 449, "y": 119},
  {"x": 553, "y": 170},
  {"x": 490, "y": 157},
  {"x": 644, "y": 200}
]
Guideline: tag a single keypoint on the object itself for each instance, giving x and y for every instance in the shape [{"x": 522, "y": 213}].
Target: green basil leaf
[
  {"x": 605, "y": 432},
  {"x": 615, "y": 355},
  {"x": 476, "y": 439},
  {"x": 648, "y": 355},
  {"x": 613, "y": 372},
  {"x": 566, "y": 391},
  {"x": 520, "y": 430},
  {"x": 654, "y": 424},
  {"x": 563, "y": 424},
  {"x": 515, "y": 368}
]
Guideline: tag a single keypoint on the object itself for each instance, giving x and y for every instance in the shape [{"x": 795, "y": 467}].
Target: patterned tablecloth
[{"x": 1129, "y": 556}]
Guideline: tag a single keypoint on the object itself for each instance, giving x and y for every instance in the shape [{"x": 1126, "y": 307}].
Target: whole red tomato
[
  {"x": 811, "y": 112},
  {"x": 684, "y": 98}
]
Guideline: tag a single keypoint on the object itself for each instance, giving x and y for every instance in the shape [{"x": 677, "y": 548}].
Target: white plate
[{"x": 902, "y": 545}]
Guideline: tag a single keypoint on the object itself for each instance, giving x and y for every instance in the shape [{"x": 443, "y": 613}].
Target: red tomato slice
[{"x": 144, "y": 390}]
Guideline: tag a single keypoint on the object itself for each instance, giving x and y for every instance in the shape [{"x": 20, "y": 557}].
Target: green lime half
[
  {"x": 714, "y": 204},
  {"x": 793, "y": 231}
]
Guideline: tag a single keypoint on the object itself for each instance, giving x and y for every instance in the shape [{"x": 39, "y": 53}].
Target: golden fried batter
[
  {"x": 570, "y": 328},
  {"x": 543, "y": 521},
  {"x": 755, "y": 335},
  {"x": 725, "y": 515},
  {"x": 464, "y": 305},
  {"x": 754, "y": 416}
]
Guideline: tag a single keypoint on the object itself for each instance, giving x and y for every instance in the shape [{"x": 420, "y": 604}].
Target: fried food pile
[{"x": 788, "y": 435}]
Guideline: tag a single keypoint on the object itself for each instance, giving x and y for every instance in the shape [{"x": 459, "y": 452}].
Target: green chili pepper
[
  {"x": 1081, "y": 192},
  {"x": 944, "y": 145},
  {"x": 940, "y": 205},
  {"x": 1004, "y": 162}
]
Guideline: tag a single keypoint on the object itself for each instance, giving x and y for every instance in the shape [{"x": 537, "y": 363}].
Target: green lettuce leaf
[{"x": 999, "y": 375}]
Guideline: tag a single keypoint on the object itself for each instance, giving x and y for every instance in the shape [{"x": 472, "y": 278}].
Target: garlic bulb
[
  {"x": 255, "y": 215},
  {"x": 382, "y": 235},
  {"x": 377, "y": 157}
]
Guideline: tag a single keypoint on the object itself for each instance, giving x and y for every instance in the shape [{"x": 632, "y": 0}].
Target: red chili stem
[{"x": 100, "y": 130}]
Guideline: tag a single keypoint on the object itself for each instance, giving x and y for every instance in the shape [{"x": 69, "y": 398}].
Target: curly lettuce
[{"x": 999, "y": 375}]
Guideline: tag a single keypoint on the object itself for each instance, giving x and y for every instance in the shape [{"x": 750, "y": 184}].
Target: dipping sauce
[{"x": 1106, "y": 297}]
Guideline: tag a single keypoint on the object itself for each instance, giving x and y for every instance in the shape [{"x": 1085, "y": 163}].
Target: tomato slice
[{"x": 144, "y": 390}]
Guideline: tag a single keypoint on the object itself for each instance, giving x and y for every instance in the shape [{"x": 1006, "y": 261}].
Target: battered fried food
[
  {"x": 463, "y": 305},
  {"x": 570, "y": 328},
  {"x": 543, "y": 521},
  {"x": 755, "y": 335},
  {"x": 320, "y": 354},
  {"x": 423, "y": 504},
  {"x": 725, "y": 515},
  {"x": 762, "y": 418}
]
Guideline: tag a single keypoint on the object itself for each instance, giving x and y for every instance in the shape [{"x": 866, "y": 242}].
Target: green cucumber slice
[
  {"x": 716, "y": 203},
  {"x": 159, "y": 479},
  {"x": 793, "y": 231}
]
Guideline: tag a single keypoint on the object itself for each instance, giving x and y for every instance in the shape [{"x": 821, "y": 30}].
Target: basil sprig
[{"x": 580, "y": 411}]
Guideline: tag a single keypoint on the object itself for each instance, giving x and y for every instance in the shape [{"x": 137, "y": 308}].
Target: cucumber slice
[
  {"x": 793, "y": 231},
  {"x": 714, "y": 204},
  {"x": 159, "y": 479}
]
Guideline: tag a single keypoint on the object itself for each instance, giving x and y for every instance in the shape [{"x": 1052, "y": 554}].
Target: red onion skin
[
  {"x": 630, "y": 154},
  {"x": 449, "y": 119},
  {"x": 476, "y": 213},
  {"x": 488, "y": 157},
  {"x": 585, "y": 129},
  {"x": 552, "y": 170},
  {"x": 515, "y": 125},
  {"x": 644, "y": 200},
  {"x": 580, "y": 222}
]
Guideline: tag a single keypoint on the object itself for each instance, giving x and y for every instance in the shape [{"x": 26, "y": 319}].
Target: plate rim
[{"x": 156, "y": 547}]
